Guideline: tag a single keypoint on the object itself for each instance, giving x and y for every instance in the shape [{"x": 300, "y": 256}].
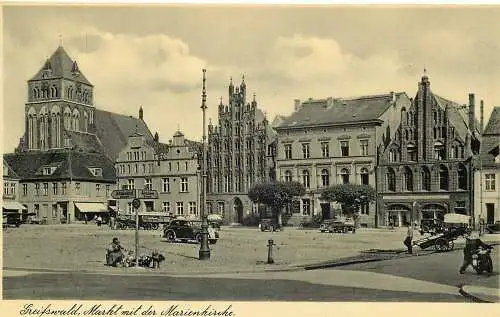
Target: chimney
[
  {"x": 156, "y": 138},
  {"x": 296, "y": 104},
  {"x": 393, "y": 97},
  {"x": 141, "y": 113},
  {"x": 482, "y": 117},
  {"x": 472, "y": 106}
]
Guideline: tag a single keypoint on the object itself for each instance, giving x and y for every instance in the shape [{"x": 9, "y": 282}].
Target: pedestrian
[
  {"x": 472, "y": 244},
  {"x": 85, "y": 218},
  {"x": 99, "y": 221},
  {"x": 409, "y": 237}
]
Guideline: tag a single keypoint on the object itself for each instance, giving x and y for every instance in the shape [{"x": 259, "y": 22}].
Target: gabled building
[
  {"x": 65, "y": 157},
  {"x": 240, "y": 154},
  {"x": 334, "y": 141},
  {"x": 170, "y": 169},
  {"x": 11, "y": 190},
  {"x": 487, "y": 192},
  {"x": 428, "y": 159}
]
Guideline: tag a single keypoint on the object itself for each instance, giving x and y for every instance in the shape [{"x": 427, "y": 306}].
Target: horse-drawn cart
[{"x": 454, "y": 226}]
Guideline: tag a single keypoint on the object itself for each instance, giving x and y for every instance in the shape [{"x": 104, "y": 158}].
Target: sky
[{"x": 153, "y": 56}]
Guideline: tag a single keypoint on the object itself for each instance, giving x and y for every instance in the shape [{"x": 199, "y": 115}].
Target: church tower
[{"x": 60, "y": 101}]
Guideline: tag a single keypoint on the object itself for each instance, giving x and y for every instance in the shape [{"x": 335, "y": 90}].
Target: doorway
[
  {"x": 490, "y": 213},
  {"x": 325, "y": 211},
  {"x": 238, "y": 210}
]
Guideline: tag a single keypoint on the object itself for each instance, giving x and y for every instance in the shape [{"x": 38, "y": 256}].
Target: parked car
[
  {"x": 493, "y": 227},
  {"x": 186, "y": 230},
  {"x": 325, "y": 225},
  {"x": 269, "y": 225},
  {"x": 11, "y": 220},
  {"x": 341, "y": 225}
]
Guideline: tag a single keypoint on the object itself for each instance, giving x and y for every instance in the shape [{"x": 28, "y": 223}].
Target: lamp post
[{"x": 204, "y": 253}]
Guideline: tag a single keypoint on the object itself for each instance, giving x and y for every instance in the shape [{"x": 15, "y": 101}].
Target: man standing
[{"x": 409, "y": 238}]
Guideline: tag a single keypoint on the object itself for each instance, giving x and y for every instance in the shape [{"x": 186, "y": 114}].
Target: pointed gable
[{"x": 61, "y": 66}]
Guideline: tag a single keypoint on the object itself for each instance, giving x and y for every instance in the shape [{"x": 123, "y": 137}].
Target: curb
[{"x": 474, "y": 298}]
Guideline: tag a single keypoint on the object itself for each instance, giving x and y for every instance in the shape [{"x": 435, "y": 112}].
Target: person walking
[
  {"x": 409, "y": 238},
  {"x": 472, "y": 244},
  {"x": 99, "y": 221}
]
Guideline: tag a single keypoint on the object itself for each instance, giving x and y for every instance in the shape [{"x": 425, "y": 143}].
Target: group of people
[
  {"x": 116, "y": 255},
  {"x": 472, "y": 244}
]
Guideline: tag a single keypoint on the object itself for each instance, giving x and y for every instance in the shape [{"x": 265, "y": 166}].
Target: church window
[
  {"x": 391, "y": 180},
  {"x": 443, "y": 177},
  {"x": 462, "y": 177}
]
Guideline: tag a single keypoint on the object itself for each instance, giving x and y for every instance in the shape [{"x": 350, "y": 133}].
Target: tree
[
  {"x": 350, "y": 197},
  {"x": 276, "y": 195}
]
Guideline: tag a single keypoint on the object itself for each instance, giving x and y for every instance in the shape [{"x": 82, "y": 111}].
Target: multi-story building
[
  {"x": 487, "y": 192},
  {"x": 170, "y": 169},
  {"x": 334, "y": 141},
  {"x": 65, "y": 158},
  {"x": 428, "y": 159},
  {"x": 11, "y": 190},
  {"x": 240, "y": 154}
]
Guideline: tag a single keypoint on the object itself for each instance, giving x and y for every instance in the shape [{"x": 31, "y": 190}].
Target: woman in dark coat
[{"x": 114, "y": 253}]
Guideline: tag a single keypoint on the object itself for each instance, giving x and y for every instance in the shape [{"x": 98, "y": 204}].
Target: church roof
[
  {"x": 113, "y": 130},
  {"x": 62, "y": 66},
  {"x": 10, "y": 172},
  {"x": 491, "y": 140},
  {"x": 458, "y": 116},
  {"x": 493, "y": 125},
  {"x": 338, "y": 111},
  {"x": 68, "y": 164}
]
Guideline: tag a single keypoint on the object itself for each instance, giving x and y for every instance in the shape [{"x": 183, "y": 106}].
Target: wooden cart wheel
[{"x": 441, "y": 244}]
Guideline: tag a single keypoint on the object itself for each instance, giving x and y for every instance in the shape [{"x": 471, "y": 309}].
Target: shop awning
[
  {"x": 91, "y": 207},
  {"x": 12, "y": 205}
]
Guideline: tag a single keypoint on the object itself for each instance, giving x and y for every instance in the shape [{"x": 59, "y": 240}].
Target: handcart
[{"x": 454, "y": 226}]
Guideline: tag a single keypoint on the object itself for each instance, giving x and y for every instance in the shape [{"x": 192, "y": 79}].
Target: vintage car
[
  {"x": 325, "y": 225},
  {"x": 340, "y": 224},
  {"x": 187, "y": 230},
  {"x": 11, "y": 219},
  {"x": 268, "y": 224}
]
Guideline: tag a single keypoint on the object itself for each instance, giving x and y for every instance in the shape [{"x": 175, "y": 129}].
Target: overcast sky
[{"x": 153, "y": 56}]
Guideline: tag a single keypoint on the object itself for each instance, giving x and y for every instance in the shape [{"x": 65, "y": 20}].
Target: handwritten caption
[{"x": 124, "y": 310}]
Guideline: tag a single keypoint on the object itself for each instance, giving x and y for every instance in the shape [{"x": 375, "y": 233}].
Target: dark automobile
[
  {"x": 12, "y": 220},
  {"x": 493, "y": 227},
  {"x": 269, "y": 225},
  {"x": 431, "y": 225},
  {"x": 186, "y": 230}
]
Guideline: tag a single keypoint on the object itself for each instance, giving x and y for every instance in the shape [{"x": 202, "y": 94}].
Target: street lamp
[{"x": 204, "y": 253}]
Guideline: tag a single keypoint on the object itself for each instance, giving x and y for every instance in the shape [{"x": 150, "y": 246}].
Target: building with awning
[
  {"x": 86, "y": 207},
  {"x": 12, "y": 206}
]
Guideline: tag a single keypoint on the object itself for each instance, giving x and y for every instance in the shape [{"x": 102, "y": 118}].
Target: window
[
  {"x": 37, "y": 189},
  {"x": 63, "y": 188},
  {"x": 325, "y": 178},
  {"x": 443, "y": 178},
  {"x": 178, "y": 165},
  {"x": 391, "y": 180},
  {"x": 107, "y": 190},
  {"x": 226, "y": 183},
  {"x": 393, "y": 155},
  {"x": 462, "y": 177},
  {"x": 54, "y": 210},
  {"x": 364, "y": 208},
  {"x": 344, "y": 148},
  {"x": 169, "y": 166},
  {"x": 166, "y": 206},
  {"x": 305, "y": 150},
  {"x": 365, "y": 179},
  {"x": 306, "y": 207},
  {"x": 136, "y": 169},
  {"x": 460, "y": 207},
  {"x": 55, "y": 189},
  {"x": 45, "y": 189},
  {"x": 363, "y": 144},
  {"x": 180, "y": 208},
  {"x": 130, "y": 209},
  {"x": 184, "y": 184},
  {"x": 98, "y": 189},
  {"x": 77, "y": 188},
  {"x": 305, "y": 178},
  {"x": 186, "y": 165},
  {"x": 426, "y": 179},
  {"x": 325, "y": 149},
  {"x": 288, "y": 176},
  {"x": 220, "y": 208},
  {"x": 96, "y": 171},
  {"x": 439, "y": 153},
  {"x": 148, "y": 184},
  {"x": 489, "y": 182},
  {"x": 48, "y": 170},
  {"x": 25, "y": 189},
  {"x": 407, "y": 179},
  {"x": 192, "y": 207},
  {"x": 344, "y": 176},
  {"x": 166, "y": 185},
  {"x": 131, "y": 184}
]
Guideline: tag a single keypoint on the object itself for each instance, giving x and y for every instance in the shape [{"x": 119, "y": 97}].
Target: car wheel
[
  {"x": 170, "y": 236},
  {"x": 154, "y": 226}
]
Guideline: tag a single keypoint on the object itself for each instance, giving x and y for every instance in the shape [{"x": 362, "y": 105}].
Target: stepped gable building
[
  {"x": 170, "y": 169},
  {"x": 240, "y": 154},
  {"x": 487, "y": 177},
  {"x": 332, "y": 141},
  {"x": 428, "y": 160},
  {"x": 65, "y": 158}
]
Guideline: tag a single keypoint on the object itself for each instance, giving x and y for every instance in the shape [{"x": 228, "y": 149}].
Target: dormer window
[
  {"x": 47, "y": 170},
  {"x": 96, "y": 171}
]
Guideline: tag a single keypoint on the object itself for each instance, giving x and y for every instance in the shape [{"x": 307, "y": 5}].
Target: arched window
[
  {"x": 443, "y": 177},
  {"x": 325, "y": 178},
  {"x": 288, "y": 176},
  {"x": 365, "y": 179},
  {"x": 462, "y": 177},
  {"x": 306, "y": 178},
  {"x": 426, "y": 178},
  {"x": 407, "y": 179},
  {"x": 391, "y": 180},
  {"x": 344, "y": 176}
]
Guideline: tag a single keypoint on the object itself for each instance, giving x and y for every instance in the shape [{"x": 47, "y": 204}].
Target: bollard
[{"x": 270, "y": 244}]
